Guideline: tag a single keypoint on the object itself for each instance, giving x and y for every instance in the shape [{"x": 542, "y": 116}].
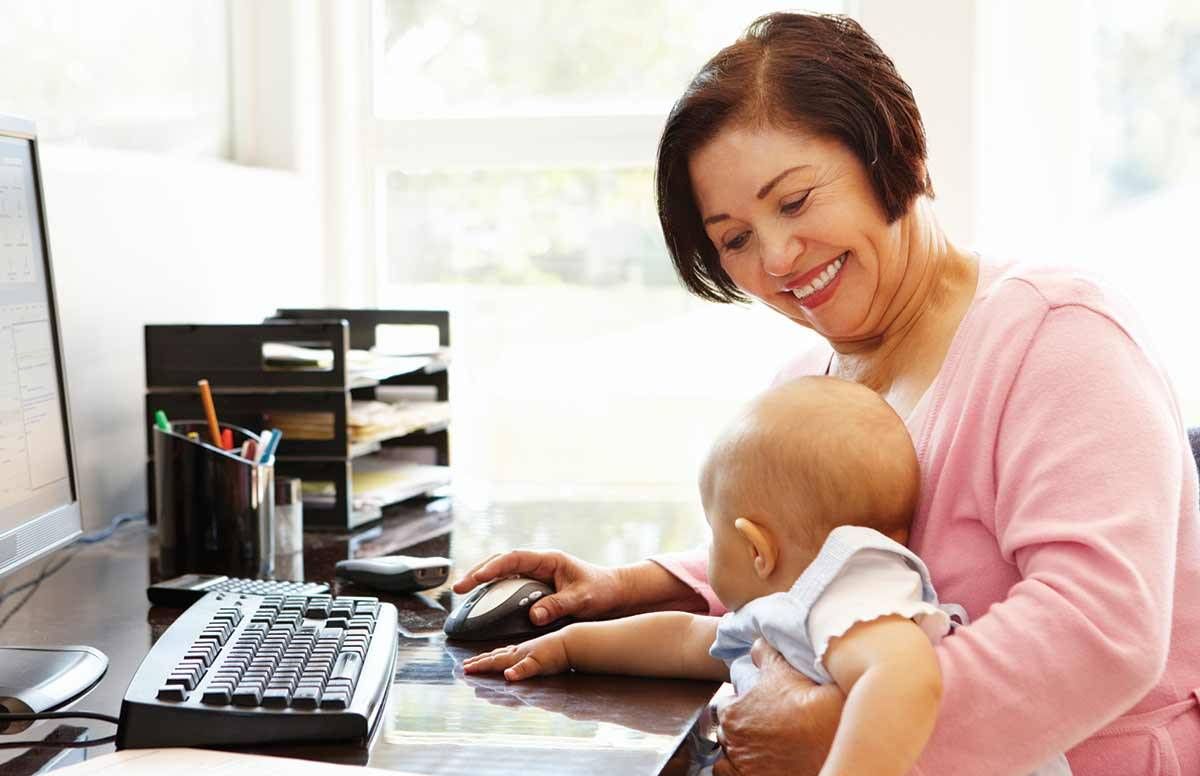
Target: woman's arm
[
  {"x": 1089, "y": 482},
  {"x": 889, "y": 672},
  {"x": 585, "y": 590}
]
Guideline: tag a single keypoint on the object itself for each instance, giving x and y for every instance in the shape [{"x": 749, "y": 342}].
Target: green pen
[{"x": 160, "y": 420}]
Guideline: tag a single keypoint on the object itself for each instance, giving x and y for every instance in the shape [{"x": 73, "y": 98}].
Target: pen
[
  {"x": 193, "y": 436},
  {"x": 250, "y": 450},
  {"x": 210, "y": 412},
  {"x": 226, "y": 439},
  {"x": 160, "y": 420},
  {"x": 270, "y": 442}
]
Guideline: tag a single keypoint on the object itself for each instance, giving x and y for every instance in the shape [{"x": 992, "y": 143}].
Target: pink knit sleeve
[
  {"x": 1088, "y": 481},
  {"x": 691, "y": 568}
]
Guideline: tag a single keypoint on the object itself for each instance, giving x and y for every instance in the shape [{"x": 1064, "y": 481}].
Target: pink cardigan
[{"x": 1059, "y": 506}]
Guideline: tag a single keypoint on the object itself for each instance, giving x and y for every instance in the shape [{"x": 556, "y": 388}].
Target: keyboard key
[
  {"x": 277, "y": 697},
  {"x": 306, "y": 697},
  {"x": 348, "y": 666},
  {"x": 200, "y": 655},
  {"x": 185, "y": 679},
  {"x": 338, "y": 699},
  {"x": 172, "y": 692},
  {"x": 191, "y": 665},
  {"x": 247, "y": 695},
  {"x": 217, "y": 696}
]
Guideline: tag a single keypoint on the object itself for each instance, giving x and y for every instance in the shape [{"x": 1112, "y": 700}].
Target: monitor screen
[{"x": 39, "y": 508}]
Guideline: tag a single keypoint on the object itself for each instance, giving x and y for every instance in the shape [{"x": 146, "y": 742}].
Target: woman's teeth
[{"x": 822, "y": 280}]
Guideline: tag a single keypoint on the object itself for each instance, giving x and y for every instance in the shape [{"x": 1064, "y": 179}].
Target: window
[
  {"x": 512, "y": 152},
  {"x": 82, "y": 71},
  {"x": 1091, "y": 116}
]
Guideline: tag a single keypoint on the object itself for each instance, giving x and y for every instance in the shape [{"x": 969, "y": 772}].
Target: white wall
[
  {"x": 932, "y": 45},
  {"x": 140, "y": 238}
]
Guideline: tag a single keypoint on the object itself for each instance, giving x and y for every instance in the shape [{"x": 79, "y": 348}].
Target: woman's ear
[{"x": 763, "y": 543}]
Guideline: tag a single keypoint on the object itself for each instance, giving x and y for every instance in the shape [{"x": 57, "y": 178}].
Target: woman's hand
[
  {"x": 783, "y": 725},
  {"x": 581, "y": 589},
  {"x": 542, "y": 656}
]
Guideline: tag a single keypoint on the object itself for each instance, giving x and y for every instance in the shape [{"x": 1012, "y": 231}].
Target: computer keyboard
[
  {"x": 239, "y": 669},
  {"x": 186, "y": 590}
]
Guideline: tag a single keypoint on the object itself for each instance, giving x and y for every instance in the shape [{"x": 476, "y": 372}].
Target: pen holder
[{"x": 215, "y": 509}]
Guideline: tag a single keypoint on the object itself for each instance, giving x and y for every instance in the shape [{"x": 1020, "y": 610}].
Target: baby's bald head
[{"x": 813, "y": 454}]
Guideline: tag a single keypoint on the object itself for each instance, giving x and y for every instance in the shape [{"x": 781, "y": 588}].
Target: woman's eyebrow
[{"x": 765, "y": 190}]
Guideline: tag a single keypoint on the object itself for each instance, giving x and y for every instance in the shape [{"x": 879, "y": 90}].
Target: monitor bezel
[{"x": 70, "y": 514}]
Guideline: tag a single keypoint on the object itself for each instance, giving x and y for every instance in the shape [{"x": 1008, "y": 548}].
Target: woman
[{"x": 1059, "y": 496}]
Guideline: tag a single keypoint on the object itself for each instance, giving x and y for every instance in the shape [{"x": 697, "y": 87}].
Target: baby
[{"x": 809, "y": 495}]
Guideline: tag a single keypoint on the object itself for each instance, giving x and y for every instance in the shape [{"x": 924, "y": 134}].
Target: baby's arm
[
  {"x": 670, "y": 644},
  {"x": 889, "y": 672}
]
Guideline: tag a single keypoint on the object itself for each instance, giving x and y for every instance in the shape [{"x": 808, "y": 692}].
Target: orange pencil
[{"x": 210, "y": 412}]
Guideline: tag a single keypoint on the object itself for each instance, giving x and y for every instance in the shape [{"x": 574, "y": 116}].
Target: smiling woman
[
  {"x": 1058, "y": 499},
  {"x": 855, "y": 98}
]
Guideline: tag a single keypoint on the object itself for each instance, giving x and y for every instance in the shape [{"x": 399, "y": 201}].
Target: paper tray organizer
[{"x": 247, "y": 390}]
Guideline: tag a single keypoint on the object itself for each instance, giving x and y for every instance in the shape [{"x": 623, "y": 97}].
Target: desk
[{"x": 438, "y": 720}]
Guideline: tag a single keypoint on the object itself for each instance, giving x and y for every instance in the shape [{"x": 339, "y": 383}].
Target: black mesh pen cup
[{"x": 215, "y": 508}]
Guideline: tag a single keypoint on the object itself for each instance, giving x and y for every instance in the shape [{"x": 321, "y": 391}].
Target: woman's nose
[{"x": 780, "y": 253}]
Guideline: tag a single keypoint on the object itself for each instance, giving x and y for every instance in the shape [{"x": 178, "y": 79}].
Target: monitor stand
[{"x": 36, "y": 679}]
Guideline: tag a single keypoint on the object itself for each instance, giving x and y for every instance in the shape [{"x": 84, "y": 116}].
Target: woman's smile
[{"x": 817, "y": 286}]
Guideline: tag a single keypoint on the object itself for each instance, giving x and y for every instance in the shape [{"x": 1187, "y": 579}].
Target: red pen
[
  {"x": 249, "y": 450},
  {"x": 226, "y": 439}
]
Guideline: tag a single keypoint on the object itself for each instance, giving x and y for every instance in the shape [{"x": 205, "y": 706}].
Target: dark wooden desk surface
[{"x": 439, "y": 721}]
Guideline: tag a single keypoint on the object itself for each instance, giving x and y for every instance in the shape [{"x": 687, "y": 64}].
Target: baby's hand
[{"x": 544, "y": 655}]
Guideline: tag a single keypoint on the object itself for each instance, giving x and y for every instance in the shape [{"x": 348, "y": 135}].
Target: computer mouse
[
  {"x": 395, "y": 573},
  {"x": 499, "y": 611}
]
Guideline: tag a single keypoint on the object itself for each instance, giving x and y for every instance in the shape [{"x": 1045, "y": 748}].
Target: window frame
[{"x": 361, "y": 149}]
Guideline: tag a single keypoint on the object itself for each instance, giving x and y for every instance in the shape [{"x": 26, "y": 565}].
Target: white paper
[{"x": 205, "y": 762}]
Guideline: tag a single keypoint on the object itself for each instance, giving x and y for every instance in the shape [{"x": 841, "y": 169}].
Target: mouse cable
[
  {"x": 114, "y": 524},
  {"x": 9, "y": 717}
]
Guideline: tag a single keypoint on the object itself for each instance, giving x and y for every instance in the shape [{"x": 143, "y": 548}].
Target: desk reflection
[{"x": 442, "y": 721}]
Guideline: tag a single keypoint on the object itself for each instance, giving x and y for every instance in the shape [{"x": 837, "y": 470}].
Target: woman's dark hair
[{"x": 812, "y": 72}]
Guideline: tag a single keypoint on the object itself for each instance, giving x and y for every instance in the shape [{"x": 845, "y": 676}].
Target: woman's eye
[
  {"x": 738, "y": 242},
  {"x": 793, "y": 207}
]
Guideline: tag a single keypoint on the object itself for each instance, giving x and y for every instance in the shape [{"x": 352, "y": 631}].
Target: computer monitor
[
  {"x": 39, "y": 503},
  {"x": 39, "y": 494}
]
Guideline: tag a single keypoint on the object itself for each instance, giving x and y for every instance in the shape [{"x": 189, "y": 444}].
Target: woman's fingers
[
  {"x": 467, "y": 582},
  {"x": 530, "y": 563},
  {"x": 552, "y": 607},
  {"x": 767, "y": 658}
]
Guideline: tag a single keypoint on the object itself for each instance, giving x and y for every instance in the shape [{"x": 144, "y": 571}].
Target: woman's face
[{"x": 797, "y": 225}]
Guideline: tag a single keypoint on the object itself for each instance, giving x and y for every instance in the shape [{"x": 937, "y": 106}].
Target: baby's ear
[{"x": 763, "y": 542}]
